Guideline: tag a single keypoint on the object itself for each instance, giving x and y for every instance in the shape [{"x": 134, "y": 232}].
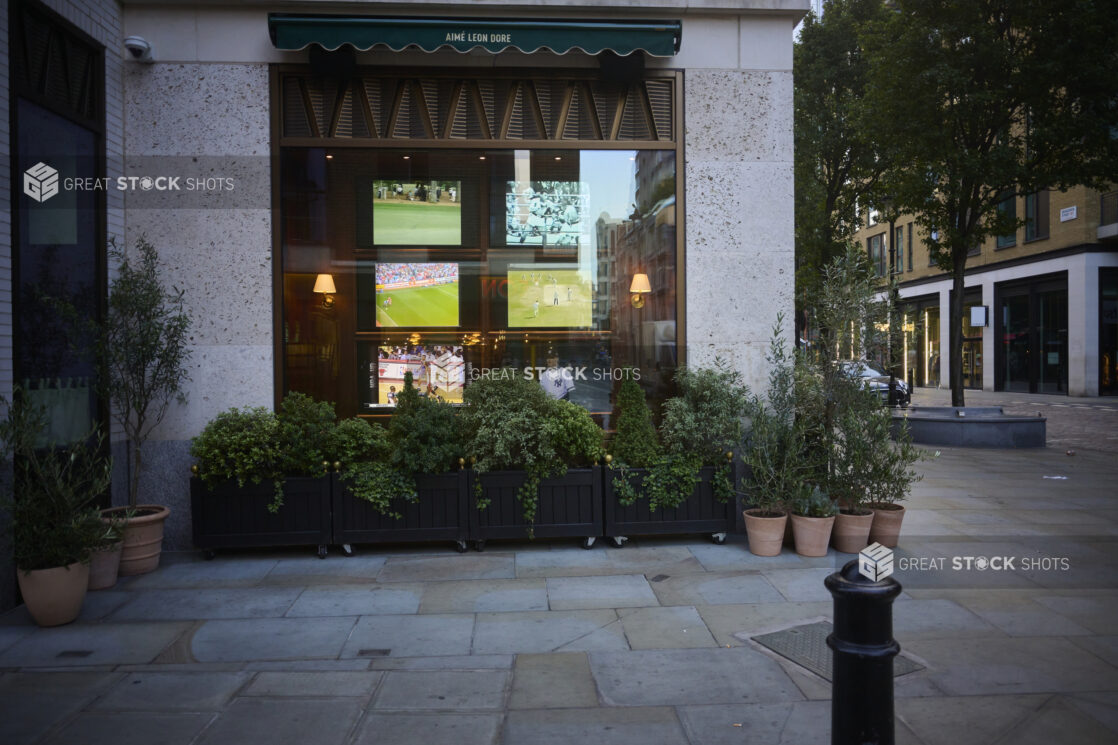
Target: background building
[
  {"x": 683, "y": 153},
  {"x": 1041, "y": 305}
]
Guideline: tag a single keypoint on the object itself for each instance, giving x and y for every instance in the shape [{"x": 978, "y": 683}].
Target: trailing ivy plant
[
  {"x": 511, "y": 423},
  {"x": 362, "y": 448},
  {"x": 421, "y": 439}
]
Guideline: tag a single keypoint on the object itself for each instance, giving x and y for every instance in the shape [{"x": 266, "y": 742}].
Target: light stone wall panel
[{"x": 739, "y": 216}]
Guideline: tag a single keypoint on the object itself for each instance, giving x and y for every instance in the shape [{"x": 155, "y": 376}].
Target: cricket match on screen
[
  {"x": 417, "y": 294},
  {"x": 549, "y": 297},
  {"x": 427, "y": 213}
]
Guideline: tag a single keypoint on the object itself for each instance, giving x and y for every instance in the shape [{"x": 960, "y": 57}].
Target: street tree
[
  {"x": 981, "y": 101},
  {"x": 836, "y": 163}
]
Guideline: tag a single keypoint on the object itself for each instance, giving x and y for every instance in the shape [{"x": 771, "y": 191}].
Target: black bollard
[{"x": 863, "y": 649}]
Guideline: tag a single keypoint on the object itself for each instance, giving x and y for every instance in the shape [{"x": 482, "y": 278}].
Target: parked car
[{"x": 878, "y": 381}]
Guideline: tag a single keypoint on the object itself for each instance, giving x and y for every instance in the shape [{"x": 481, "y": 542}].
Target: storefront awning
[{"x": 294, "y": 32}]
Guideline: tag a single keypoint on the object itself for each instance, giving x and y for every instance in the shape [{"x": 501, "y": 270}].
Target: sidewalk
[{"x": 541, "y": 643}]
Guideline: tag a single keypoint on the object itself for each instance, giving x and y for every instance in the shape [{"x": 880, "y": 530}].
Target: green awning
[{"x": 294, "y": 32}]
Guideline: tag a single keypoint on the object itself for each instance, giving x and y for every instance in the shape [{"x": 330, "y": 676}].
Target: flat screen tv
[
  {"x": 438, "y": 371},
  {"x": 417, "y": 294},
  {"x": 549, "y": 296},
  {"x": 545, "y": 213},
  {"x": 417, "y": 213}
]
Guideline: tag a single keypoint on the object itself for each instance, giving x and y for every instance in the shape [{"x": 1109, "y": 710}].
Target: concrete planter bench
[{"x": 971, "y": 427}]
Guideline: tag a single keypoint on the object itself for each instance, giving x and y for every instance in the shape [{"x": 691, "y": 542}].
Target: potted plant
[
  {"x": 890, "y": 477},
  {"x": 399, "y": 485},
  {"x": 104, "y": 562},
  {"x": 688, "y": 484},
  {"x": 813, "y": 516},
  {"x": 143, "y": 350},
  {"x": 777, "y": 450},
  {"x": 262, "y": 477},
  {"x": 55, "y": 521},
  {"x": 523, "y": 445}
]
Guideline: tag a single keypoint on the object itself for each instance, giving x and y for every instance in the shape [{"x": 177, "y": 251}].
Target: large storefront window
[
  {"x": 972, "y": 343},
  {"x": 456, "y": 264},
  {"x": 1108, "y": 332},
  {"x": 1032, "y": 336}
]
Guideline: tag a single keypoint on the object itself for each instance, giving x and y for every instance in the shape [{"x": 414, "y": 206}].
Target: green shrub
[
  {"x": 510, "y": 423},
  {"x": 423, "y": 433},
  {"x": 357, "y": 440},
  {"x": 306, "y": 434},
  {"x": 635, "y": 443},
  {"x": 239, "y": 445},
  {"x": 705, "y": 420}
]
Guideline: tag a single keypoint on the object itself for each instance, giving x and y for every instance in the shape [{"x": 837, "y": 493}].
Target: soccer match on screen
[
  {"x": 425, "y": 213},
  {"x": 542, "y": 296},
  {"x": 417, "y": 294}
]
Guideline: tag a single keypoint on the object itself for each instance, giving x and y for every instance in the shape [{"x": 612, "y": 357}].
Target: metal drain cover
[{"x": 807, "y": 646}]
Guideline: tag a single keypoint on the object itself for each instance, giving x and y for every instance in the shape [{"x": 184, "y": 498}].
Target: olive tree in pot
[
  {"x": 143, "y": 351},
  {"x": 55, "y": 521},
  {"x": 813, "y": 518},
  {"x": 777, "y": 450}
]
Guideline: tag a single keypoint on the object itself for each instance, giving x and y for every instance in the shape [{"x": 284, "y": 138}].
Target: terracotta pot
[
  {"x": 765, "y": 532},
  {"x": 811, "y": 534},
  {"x": 143, "y": 538},
  {"x": 104, "y": 566},
  {"x": 54, "y": 596},
  {"x": 852, "y": 531},
  {"x": 886, "y": 528}
]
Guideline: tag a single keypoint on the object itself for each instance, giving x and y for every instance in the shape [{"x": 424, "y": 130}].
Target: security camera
[{"x": 138, "y": 48}]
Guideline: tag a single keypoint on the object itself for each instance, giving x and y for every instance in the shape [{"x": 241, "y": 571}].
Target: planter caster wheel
[
  {"x": 479, "y": 546},
  {"x": 588, "y": 542},
  {"x": 460, "y": 546},
  {"x": 718, "y": 538},
  {"x": 322, "y": 551},
  {"x": 619, "y": 540},
  {"x": 347, "y": 549},
  {"x": 209, "y": 554}
]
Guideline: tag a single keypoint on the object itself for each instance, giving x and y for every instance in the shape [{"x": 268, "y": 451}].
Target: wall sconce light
[
  {"x": 638, "y": 289},
  {"x": 324, "y": 285}
]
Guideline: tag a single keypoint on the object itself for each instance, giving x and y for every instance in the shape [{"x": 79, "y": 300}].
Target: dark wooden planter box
[
  {"x": 699, "y": 513},
  {"x": 440, "y": 514},
  {"x": 570, "y": 507},
  {"x": 232, "y": 516}
]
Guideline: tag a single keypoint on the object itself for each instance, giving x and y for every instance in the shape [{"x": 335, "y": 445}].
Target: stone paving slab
[
  {"x": 310, "y": 570},
  {"x": 484, "y": 596},
  {"x": 460, "y": 662},
  {"x": 450, "y": 567},
  {"x": 230, "y": 571},
  {"x": 475, "y": 690},
  {"x": 414, "y": 636},
  {"x": 172, "y": 691},
  {"x": 106, "y": 644},
  {"x": 938, "y": 619},
  {"x": 32, "y": 703},
  {"x": 174, "y": 605},
  {"x": 575, "y": 562},
  {"x": 536, "y": 632},
  {"x": 801, "y": 585},
  {"x": 132, "y": 728},
  {"x": 681, "y": 677},
  {"x": 270, "y": 639},
  {"x": 429, "y": 728},
  {"x": 972, "y": 667},
  {"x": 1022, "y": 617},
  {"x": 1059, "y": 721},
  {"x": 356, "y": 600},
  {"x": 552, "y": 681},
  {"x": 726, "y": 622},
  {"x": 307, "y": 684},
  {"x": 646, "y": 725},
  {"x": 258, "y": 721},
  {"x": 716, "y": 588},
  {"x": 677, "y": 627},
  {"x": 1102, "y": 705},
  {"x": 605, "y": 591}
]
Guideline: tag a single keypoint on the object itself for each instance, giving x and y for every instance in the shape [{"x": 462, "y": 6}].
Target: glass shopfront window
[
  {"x": 972, "y": 345},
  {"x": 558, "y": 265}
]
